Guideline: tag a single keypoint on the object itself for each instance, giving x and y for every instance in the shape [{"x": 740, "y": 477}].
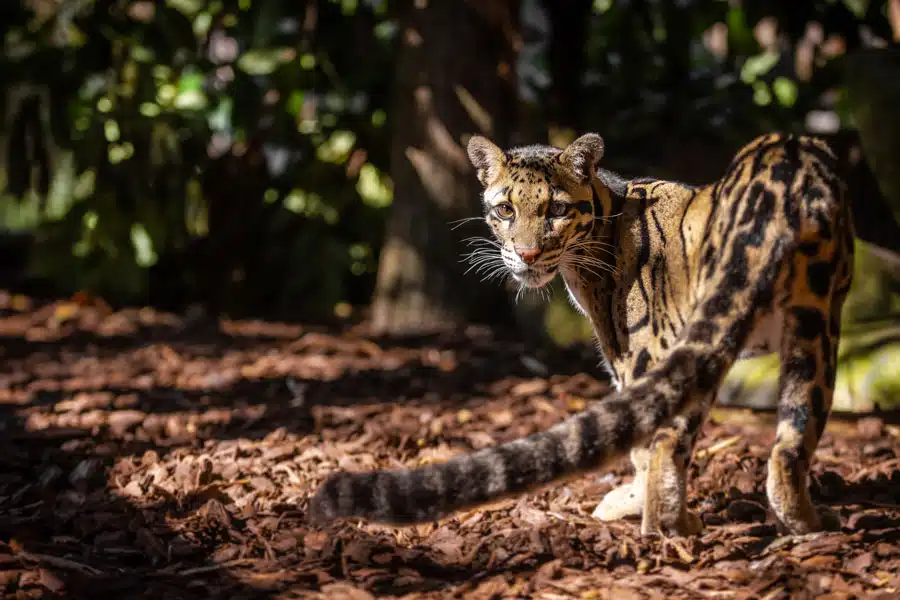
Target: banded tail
[{"x": 587, "y": 441}]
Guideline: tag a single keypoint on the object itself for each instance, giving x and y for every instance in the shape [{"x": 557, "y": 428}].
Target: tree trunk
[
  {"x": 455, "y": 77},
  {"x": 567, "y": 58}
]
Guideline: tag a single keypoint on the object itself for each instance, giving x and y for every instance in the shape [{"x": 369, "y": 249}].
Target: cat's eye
[
  {"x": 504, "y": 210},
  {"x": 558, "y": 209}
]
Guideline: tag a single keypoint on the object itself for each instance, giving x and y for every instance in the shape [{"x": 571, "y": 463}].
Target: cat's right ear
[
  {"x": 488, "y": 160},
  {"x": 580, "y": 158}
]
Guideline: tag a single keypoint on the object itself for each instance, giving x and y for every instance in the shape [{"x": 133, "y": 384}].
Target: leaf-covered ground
[{"x": 144, "y": 455}]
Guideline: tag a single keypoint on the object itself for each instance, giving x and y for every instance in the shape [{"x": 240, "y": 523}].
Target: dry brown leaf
[
  {"x": 501, "y": 418},
  {"x": 529, "y": 515},
  {"x": 860, "y": 563},
  {"x": 531, "y": 387},
  {"x": 50, "y": 581},
  {"x": 618, "y": 592},
  {"x": 821, "y": 562},
  {"x": 448, "y": 543}
]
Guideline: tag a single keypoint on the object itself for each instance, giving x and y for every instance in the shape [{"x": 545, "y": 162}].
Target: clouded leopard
[{"x": 678, "y": 282}]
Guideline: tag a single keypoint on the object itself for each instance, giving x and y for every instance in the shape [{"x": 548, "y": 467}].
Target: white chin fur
[{"x": 533, "y": 280}]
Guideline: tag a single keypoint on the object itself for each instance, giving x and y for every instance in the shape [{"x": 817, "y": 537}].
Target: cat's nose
[{"x": 528, "y": 254}]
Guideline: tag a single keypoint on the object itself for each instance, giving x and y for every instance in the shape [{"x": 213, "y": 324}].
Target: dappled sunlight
[
  {"x": 480, "y": 117},
  {"x": 243, "y": 247}
]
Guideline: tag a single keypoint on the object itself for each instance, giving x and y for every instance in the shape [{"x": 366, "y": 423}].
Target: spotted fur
[{"x": 678, "y": 282}]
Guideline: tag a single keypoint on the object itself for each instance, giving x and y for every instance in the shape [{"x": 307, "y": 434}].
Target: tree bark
[{"x": 455, "y": 77}]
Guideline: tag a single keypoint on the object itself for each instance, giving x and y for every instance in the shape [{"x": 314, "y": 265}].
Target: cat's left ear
[{"x": 580, "y": 158}]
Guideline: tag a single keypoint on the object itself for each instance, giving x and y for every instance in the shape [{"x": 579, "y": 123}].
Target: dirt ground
[{"x": 144, "y": 455}]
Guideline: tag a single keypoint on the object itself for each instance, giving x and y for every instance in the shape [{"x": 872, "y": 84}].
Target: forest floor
[{"x": 144, "y": 455}]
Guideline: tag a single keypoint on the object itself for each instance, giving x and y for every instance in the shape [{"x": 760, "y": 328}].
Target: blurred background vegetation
[{"x": 305, "y": 160}]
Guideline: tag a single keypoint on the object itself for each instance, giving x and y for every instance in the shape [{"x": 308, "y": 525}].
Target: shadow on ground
[
  {"x": 148, "y": 456},
  {"x": 103, "y": 415}
]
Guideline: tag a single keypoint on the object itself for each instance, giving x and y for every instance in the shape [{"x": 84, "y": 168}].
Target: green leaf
[
  {"x": 220, "y": 118},
  {"x": 149, "y": 109},
  {"x": 857, "y": 7},
  {"x": 202, "y": 24},
  {"x": 308, "y": 61},
  {"x": 761, "y": 94},
  {"x": 190, "y": 94},
  {"x": 374, "y": 188},
  {"x": 295, "y": 103},
  {"x": 142, "y": 54},
  {"x": 188, "y": 8},
  {"x": 336, "y": 149},
  {"x": 260, "y": 62},
  {"x": 191, "y": 100},
  {"x": 190, "y": 81},
  {"x": 785, "y": 90},
  {"x": 144, "y": 253},
  {"x": 756, "y": 66},
  {"x": 111, "y": 131},
  {"x": 601, "y": 6}
]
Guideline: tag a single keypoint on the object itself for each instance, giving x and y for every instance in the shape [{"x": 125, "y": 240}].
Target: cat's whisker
[
  {"x": 519, "y": 293},
  {"x": 607, "y": 218},
  {"x": 606, "y": 251},
  {"x": 495, "y": 273},
  {"x": 481, "y": 241},
  {"x": 477, "y": 261},
  {"x": 590, "y": 256},
  {"x": 456, "y": 224},
  {"x": 481, "y": 268},
  {"x": 587, "y": 263},
  {"x": 590, "y": 244},
  {"x": 480, "y": 253},
  {"x": 583, "y": 268}
]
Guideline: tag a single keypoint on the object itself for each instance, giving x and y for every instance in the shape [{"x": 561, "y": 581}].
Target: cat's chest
[{"x": 596, "y": 300}]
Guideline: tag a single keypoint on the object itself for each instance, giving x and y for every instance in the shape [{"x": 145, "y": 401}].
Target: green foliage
[
  {"x": 710, "y": 70},
  {"x": 168, "y": 144}
]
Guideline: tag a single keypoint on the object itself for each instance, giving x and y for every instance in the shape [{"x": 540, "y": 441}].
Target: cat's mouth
[{"x": 534, "y": 277}]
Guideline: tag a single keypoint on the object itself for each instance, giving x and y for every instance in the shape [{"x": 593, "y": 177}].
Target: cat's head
[{"x": 539, "y": 203}]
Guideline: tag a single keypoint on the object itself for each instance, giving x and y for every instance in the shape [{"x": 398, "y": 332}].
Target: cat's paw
[{"x": 624, "y": 501}]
